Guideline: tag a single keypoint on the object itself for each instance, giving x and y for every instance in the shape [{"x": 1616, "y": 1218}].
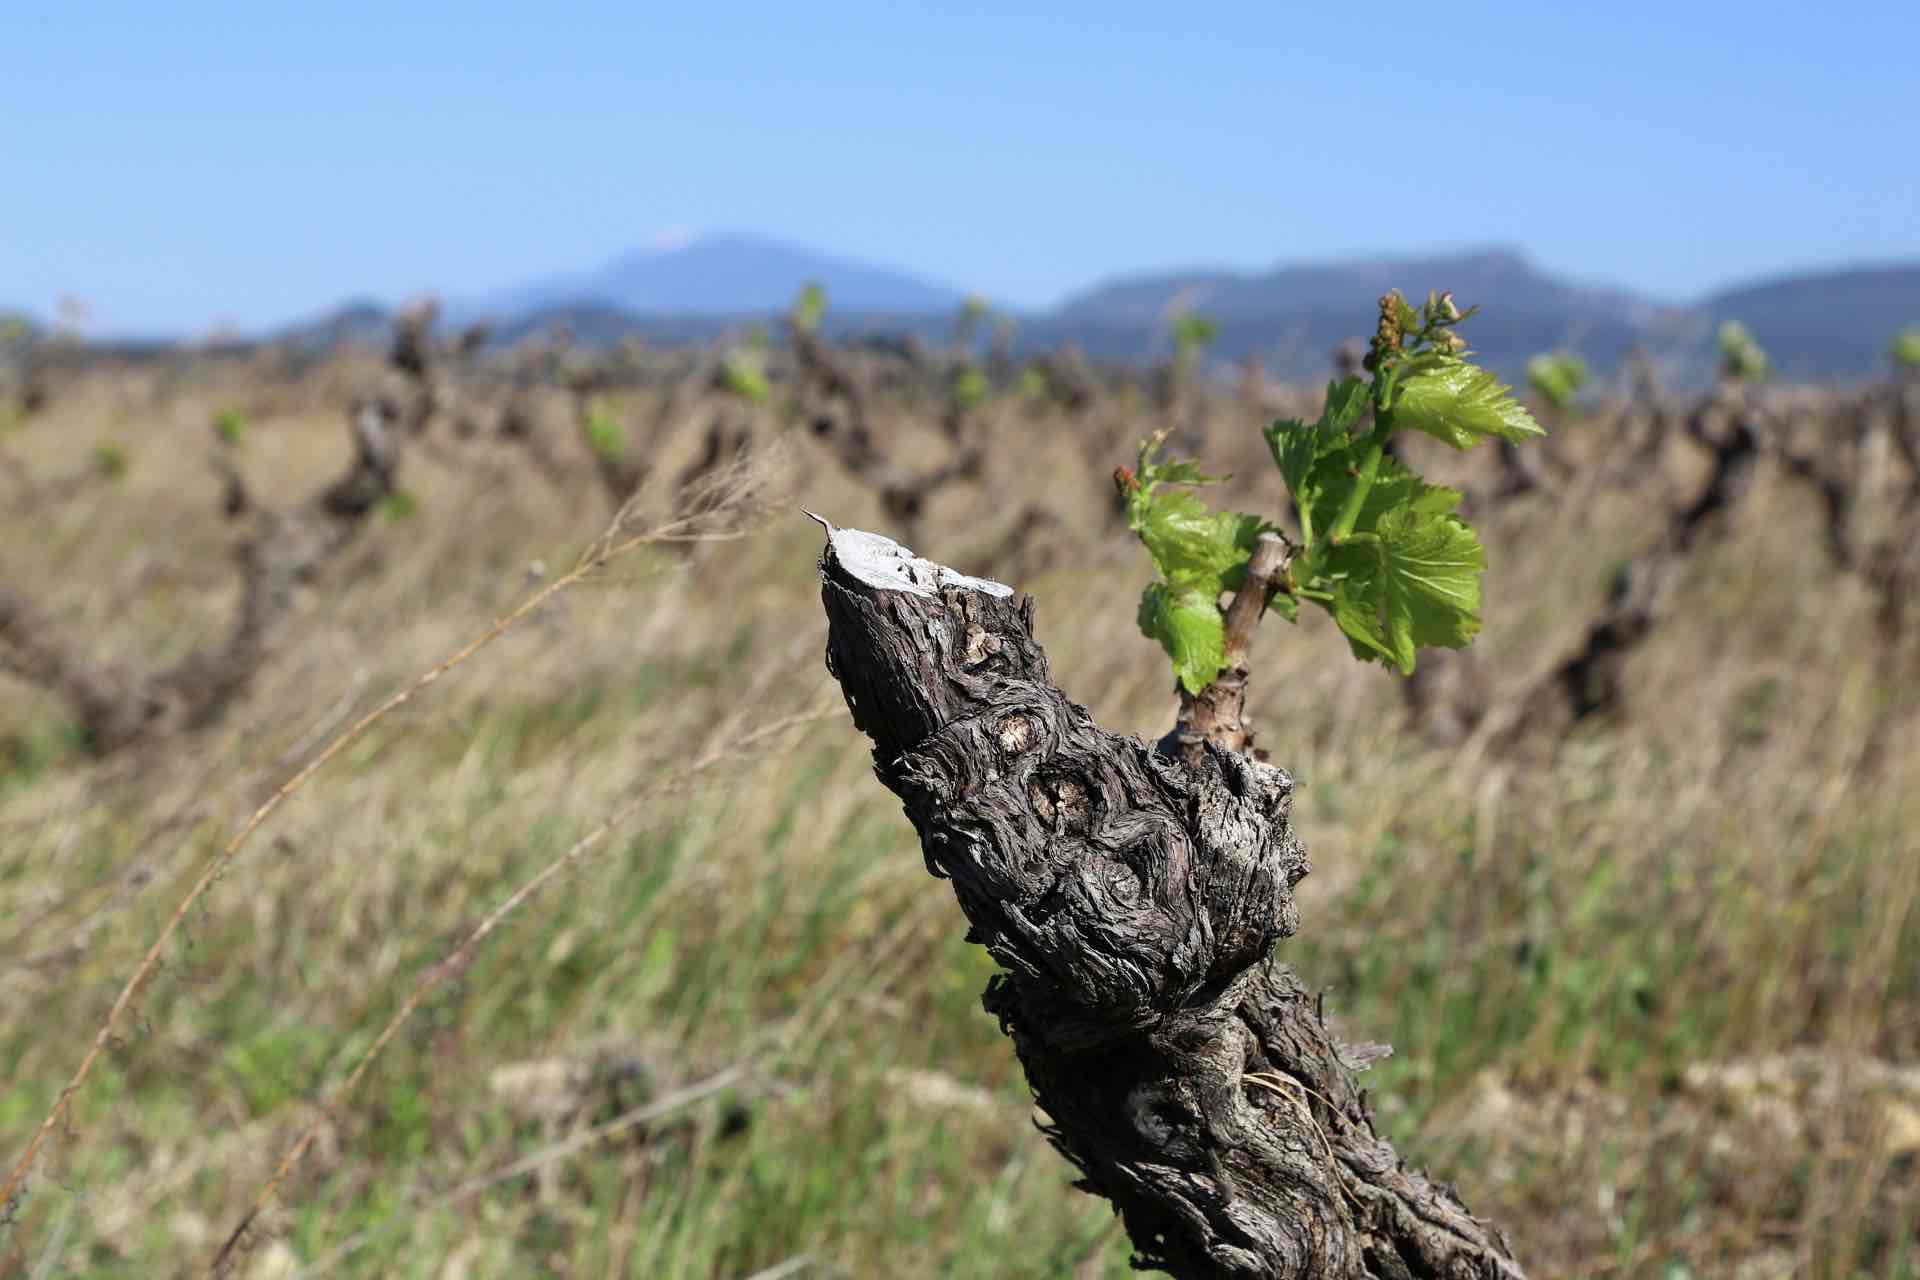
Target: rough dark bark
[
  {"x": 1834, "y": 464},
  {"x": 836, "y": 407},
  {"x": 1892, "y": 568},
  {"x": 1133, "y": 903},
  {"x": 1591, "y": 681},
  {"x": 1641, "y": 430},
  {"x": 1217, "y": 714},
  {"x": 119, "y": 706}
]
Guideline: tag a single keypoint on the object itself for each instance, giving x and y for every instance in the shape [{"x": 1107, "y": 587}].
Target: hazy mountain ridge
[
  {"x": 1474, "y": 273},
  {"x": 1835, "y": 323},
  {"x": 1816, "y": 324},
  {"x": 730, "y": 273}
]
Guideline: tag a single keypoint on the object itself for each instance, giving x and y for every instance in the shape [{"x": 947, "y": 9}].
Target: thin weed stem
[
  {"x": 732, "y": 519},
  {"x": 458, "y": 960}
]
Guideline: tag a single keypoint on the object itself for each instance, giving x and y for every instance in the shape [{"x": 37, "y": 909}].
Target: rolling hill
[
  {"x": 1815, "y": 324},
  {"x": 725, "y": 274}
]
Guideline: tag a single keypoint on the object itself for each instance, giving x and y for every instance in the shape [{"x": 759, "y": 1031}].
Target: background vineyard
[{"x": 1653, "y": 982}]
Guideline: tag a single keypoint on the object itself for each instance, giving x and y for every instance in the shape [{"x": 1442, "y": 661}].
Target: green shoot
[
  {"x": 1192, "y": 335},
  {"x": 1032, "y": 386},
  {"x": 743, "y": 373},
  {"x": 1906, "y": 349},
  {"x": 969, "y": 389},
  {"x": 399, "y": 505},
  {"x": 966, "y": 326},
  {"x": 606, "y": 434},
  {"x": 809, "y": 308},
  {"x": 1741, "y": 358},
  {"x": 1200, "y": 554},
  {"x": 110, "y": 461},
  {"x": 1556, "y": 377},
  {"x": 230, "y": 425},
  {"x": 1380, "y": 549}
]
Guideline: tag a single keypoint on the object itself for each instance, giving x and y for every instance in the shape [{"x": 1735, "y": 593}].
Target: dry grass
[{"x": 1656, "y": 1003}]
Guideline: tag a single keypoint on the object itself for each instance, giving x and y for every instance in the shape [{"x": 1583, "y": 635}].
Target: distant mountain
[
  {"x": 1819, "y": 324},
  {"x": 362, "y": 321},
  {"x": 1826, "y": 324},
  {"x": 1295, "y": 315},
  {"x": 1501, "y": 274},
  {"x": 724, "y": 274}
]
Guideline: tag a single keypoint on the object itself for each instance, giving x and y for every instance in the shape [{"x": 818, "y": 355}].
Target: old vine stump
[{"x": 1134, "y": 902}]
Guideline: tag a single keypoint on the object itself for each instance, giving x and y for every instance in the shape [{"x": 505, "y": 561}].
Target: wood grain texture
[{"x": 1133, "y": 903}]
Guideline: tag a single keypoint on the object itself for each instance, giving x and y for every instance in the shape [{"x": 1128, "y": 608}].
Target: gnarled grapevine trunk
[
  {"x": 1134, "y": 901},
  {"x": 122, "y": 706}
]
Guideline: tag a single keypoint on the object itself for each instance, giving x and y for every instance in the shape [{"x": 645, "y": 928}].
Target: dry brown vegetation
[{"x": 1651, "y": 966}]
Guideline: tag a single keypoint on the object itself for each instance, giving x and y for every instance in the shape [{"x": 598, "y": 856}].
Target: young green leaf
[
  {"x": 230, "y": 426},
  {"x": 1296, "y": 446},
  {"x": 742, "y": 375},
  {"x": 1190, "y": 627},
  {"x": 606, "y": 435},
  {"x": 110, "y": 460},
  {"x": 1741, "y": 356},
  {"x": 1459, "y": 404},
  {"x": 1194, "y": 548},
  {"x": 1192, "y": 333},
  {"x": 809, "y": 308},
  {"x": 969, "y": 388},
  {"x": 399, "y": 505},
  {"x": 1906, "y": 349},
  {"x": 1332, "y": 482},
  {"x": 1033, "y": 386},
  {"x": 1556, "y": 377},
  {"x": 1417, "y": 586}
]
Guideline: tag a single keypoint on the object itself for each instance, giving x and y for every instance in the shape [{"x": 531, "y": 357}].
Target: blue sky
[{"x": 178, "y": 164}]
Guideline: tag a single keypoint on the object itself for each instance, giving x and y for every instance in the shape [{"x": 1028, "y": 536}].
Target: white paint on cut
[{"x": 885, "y": 565}]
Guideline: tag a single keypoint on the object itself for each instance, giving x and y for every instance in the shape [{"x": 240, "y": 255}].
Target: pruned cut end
[{"x": 883, "y": 564}]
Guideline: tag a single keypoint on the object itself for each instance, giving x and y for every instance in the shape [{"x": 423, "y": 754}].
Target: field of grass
[{"x": 1655, "y": 1001}]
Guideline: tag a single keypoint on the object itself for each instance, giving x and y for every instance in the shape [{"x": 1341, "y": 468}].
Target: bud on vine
[{"x": 1386, "y": 337}]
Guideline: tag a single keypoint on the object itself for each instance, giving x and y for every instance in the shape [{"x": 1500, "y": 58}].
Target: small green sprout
[
  {"x": 1033, "y": 386},
  {"x": 1906, "y": 349},
  {"x": 743, "y": 374},
  {"x": 399, "y": 505},
  {"x": 966, "y": 326},
  {"x": 809, "y": 308},
  {"x": 110, "y": 460},
  {"x": 1381, "y": 550},
  {"x": 230, "y": 425},
  {"x": 1193, "y": 334},
  {"x": 1741, "y": 357},
  {"x": 606, "y": 434},
  {"x": 969, "y": 388},
  {"x": 1557, "y": 377}
]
